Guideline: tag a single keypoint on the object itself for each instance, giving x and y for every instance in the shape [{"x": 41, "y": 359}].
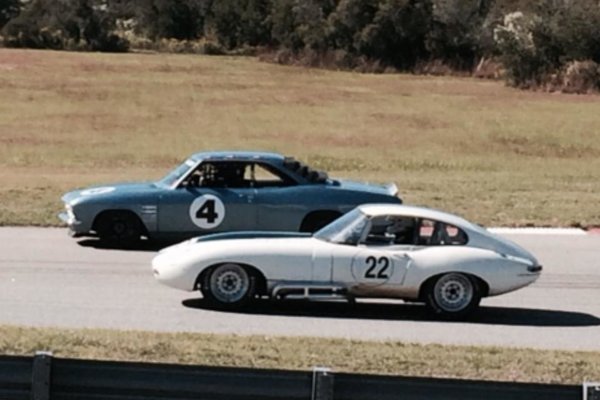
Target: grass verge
[
  {"x": 489, "y": 363},
  {"x": 496, "y": 155}
]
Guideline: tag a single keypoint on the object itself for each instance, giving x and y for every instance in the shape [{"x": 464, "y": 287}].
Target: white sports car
[{"x": 376, "y": 250}]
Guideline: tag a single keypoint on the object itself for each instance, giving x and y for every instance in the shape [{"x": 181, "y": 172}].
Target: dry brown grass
[
  {"x": 490, "y": 363},
  {"x": 492, "y": 153}
]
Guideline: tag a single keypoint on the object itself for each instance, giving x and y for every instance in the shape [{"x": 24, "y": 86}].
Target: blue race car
[{"x": 219, "y": 192}]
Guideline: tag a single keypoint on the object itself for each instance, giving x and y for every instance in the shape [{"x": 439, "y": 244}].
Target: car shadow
[
  {"x": 142, "y": 245},
  {"x": 408, "y": 312}
]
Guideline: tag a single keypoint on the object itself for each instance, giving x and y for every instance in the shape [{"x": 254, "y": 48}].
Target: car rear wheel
[
  {"x": 453, "y": 295},
  {"x": 119, "y": 228},
  {"x": 228, "y": 286}
]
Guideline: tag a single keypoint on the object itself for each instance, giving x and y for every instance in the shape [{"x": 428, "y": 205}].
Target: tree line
[{"x": 554, "y": 43}]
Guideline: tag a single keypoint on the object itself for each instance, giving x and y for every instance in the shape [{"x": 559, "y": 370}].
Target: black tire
[
  {"x": 453, "y": 296},
  {"x": 229, "y": 286},
  {"x": 122, "y": 228},
  {"x": 317, "y": 220}
]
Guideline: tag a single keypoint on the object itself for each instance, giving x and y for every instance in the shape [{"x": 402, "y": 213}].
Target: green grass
[
  {"x": 496, "y": 155},
  {"x": 490, "y": 363}
]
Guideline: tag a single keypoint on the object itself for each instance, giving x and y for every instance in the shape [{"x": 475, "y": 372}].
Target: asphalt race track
[{"x": 49, "y": 279}]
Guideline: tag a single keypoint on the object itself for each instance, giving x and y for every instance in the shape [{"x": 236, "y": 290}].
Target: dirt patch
[
  {"x": 542, "y": 147},
  {"x": 412, "y": 121},
  {"x": 18, "y": 59},
  {"x": 30, "y": 141}
]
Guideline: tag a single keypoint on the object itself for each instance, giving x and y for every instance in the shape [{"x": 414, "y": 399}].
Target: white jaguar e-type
[{"x": 376, "y": 250}]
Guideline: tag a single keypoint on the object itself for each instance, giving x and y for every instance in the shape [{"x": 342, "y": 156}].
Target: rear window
[{"x": 436, "y": 233}]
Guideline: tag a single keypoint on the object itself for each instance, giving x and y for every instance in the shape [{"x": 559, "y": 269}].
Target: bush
[
  {"x": 8, "y": 10},
  {"x": 301, "y": 24},
  {"x": 237, "y": 23},
  {"x": 457, "y": 36},
  {"x": 69, "y": 24},
  {"x": 525, "y": 64},
  {"x": 348, "y": 21},
  {"x": 536, "y": 46},
  {"x": 396, "y": 36},
  {"x": 581, "y": 77},
  {"x": 169, "y": 19}
]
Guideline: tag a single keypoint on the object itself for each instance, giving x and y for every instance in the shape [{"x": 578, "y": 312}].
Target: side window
[
  {"x": 219, "y": 175},
  {"x": 436, "y": 233},
  {"x": 392, "y": 230},
  {"x": 262, "y": 175}
]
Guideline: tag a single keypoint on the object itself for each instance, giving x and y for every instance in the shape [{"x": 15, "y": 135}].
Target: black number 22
[
  {"x": 207, "y": 212},
  {"x": 383, "y": 262}
]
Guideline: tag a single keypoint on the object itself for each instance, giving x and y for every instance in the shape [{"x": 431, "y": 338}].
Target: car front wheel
[
  {"x": 119, "y": 228},
  {"x": 228, "y": 286},
  {"x": 453, "y": 295}
]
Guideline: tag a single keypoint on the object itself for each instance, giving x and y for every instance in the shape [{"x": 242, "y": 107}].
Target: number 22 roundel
[
  {"x": 372, "y": 268},
  {"x": 207, "y": 211}
]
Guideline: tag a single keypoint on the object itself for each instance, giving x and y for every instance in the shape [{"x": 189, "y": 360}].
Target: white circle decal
[
  {"x": 372, "y": 268},
  {"x": 99, "y": 190},
  {"x": 207, "y": 211}
]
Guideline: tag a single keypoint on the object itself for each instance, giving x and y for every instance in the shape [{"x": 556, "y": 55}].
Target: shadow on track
[
  {"x": 142, "y": 245},
  {"x": 409, "y": 312}
]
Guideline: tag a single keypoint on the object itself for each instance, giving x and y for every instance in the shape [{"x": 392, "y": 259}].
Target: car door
[
  {"x": 279, "y": 198},
  {"x": 382, "y": 256},
  {"x": 322, "y": 262},
  {"x": 371, "y": 265},
  {"x": 206, "y": 207}
]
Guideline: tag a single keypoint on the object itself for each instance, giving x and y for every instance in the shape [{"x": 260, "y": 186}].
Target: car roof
[
  {"x": 374, "y": 210},
  {"x": 238, "y": 156}
]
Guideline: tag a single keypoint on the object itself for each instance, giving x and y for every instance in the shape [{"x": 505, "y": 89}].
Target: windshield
[
  {"x": 177, "y": 173},
  {"x": 344, "y": 230}
]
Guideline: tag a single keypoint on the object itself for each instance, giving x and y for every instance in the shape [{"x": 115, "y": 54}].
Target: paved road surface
[{"x": 49, "y": 279}]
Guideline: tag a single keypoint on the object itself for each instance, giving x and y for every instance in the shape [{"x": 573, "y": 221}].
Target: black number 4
[
  {"x": 383, "y": 262},
  {"x": 207, "y": 212}
]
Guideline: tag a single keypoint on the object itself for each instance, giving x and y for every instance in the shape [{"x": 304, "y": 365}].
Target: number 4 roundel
[{"x": 207, "y": 211}]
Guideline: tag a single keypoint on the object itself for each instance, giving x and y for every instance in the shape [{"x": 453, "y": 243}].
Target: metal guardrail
[{"x": 46, "y": 378}]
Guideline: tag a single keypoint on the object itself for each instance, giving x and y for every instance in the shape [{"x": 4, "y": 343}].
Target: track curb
[{"x": 541, "y": 231}]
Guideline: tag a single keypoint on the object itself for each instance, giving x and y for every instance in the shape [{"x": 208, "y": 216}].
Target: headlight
[{"x": 70, "y": 213}]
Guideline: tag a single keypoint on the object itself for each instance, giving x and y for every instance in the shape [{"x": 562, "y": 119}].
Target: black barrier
[{"x": 44, "y": 377}]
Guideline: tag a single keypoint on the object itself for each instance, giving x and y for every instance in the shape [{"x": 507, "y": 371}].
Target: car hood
[
  {"x": 389, "y": 189},
  {"x": 238, "y": 235},
  {"x": 249, "y": 235},
  {"x": 109, "y": 191}
]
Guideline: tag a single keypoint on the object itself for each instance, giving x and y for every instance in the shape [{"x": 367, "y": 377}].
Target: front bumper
[
  {"x": 72, "y": 223},
  {"x": 173, "y": 273}
]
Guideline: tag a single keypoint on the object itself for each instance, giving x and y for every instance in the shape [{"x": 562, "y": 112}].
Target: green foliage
[
  {"x": 535, "y": 41},
  {"x": 8, "y": 10},
  {"x": 539, "y": 43},
  {"x": 575, "y": 29},
  {"x": 283, "y": 29},
  {"x": 65, "y": 24},
  {"x": 171, "y": 19},
  {"x": 237, "y": 23},
  {"x": 457, "y": 34},
  {"x": 299, "y": 24},
  {"x": 520, "y": 56},
  {"x": 348, "y": 20},
  {"x": 396, "y": 35}
]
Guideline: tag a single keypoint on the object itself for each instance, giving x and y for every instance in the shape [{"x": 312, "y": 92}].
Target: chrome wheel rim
[
  {"x": 453, "y": 292},
  {"x": 229, "y": 283}
]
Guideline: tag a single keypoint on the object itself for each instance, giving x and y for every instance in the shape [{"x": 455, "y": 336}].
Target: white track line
[{"x": 538, "y": 231}]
